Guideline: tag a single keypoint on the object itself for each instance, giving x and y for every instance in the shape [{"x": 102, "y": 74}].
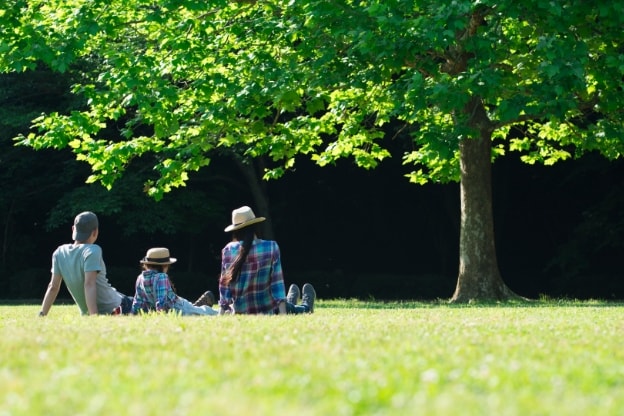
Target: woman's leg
[
  {"x": 291, "y": 308},
  {"x": 307, "y": 300}
]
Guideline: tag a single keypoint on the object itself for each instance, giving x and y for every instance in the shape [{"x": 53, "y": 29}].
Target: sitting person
[
  {"x": 252, "y": 280},
  {"x": 81, "y": 266},
  {"x": 154, "y": 291}
]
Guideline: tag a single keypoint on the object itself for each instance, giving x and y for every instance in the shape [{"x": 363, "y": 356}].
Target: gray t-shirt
[{"x": 71, "y": 261}]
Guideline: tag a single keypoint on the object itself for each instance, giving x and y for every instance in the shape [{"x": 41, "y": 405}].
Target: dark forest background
[{"x": 350, "y": 232}]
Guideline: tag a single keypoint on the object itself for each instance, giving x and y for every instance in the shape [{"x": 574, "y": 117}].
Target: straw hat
[
  {"x": 243, "y": 217},
  {"x": 158, "y": 255}
]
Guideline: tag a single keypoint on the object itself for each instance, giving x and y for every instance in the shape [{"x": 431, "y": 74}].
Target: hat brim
[
  {"x": 234, "y": 227},
  {"x": 170, "y": 261}
]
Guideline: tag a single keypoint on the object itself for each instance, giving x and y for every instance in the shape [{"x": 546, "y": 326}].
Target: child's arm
[{"x": 163, "y": 293}]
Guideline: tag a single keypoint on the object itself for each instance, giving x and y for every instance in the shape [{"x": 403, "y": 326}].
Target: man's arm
[
  {"x": 91, "y": 292},
  {"x": 51, "y": 293}
]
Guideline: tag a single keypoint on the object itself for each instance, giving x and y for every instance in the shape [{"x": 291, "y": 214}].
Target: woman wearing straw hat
[
  {"x": 154, "y": 291},
  {"x": 252, "y": 280}
]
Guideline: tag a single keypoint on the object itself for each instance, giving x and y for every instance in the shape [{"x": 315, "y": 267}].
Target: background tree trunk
[
  {"x": 479, "y": 276},
  {"x": 257, "y": 186}
]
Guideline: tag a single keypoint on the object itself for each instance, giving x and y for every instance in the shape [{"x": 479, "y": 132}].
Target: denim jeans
[
  {"x": 126, "y": 304},
  {"x": 291, "y": 308},
  {"x": 187, "y": 308}
]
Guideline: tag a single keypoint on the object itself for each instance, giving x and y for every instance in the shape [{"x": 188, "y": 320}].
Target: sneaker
[
  {"x": 309, "y": 296},
  {"x": 293, "y": 294},
  {"x": 207, "y": 299}
]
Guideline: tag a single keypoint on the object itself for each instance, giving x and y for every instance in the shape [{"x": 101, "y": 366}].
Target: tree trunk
[
  {"x": 259, "y": 193},
  {"x": 479, "y": 276}
]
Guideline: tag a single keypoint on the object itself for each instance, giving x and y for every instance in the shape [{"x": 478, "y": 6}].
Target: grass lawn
[{"x": 348, "y": 358}]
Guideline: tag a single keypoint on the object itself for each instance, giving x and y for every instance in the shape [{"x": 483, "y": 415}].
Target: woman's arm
[
  {"x": 278, "y": 288},
  {"x": 282, "y": 307}
]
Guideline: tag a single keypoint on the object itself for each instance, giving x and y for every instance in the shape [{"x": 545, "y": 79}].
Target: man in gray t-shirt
[{"x": 81, "y": 266}]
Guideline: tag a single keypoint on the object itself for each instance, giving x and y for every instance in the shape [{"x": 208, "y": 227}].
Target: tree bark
[
  {"x": 479, "y": 276},
  {"x": 260, "y": 195}
]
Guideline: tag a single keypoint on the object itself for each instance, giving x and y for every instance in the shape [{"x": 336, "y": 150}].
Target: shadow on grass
[
  {"x": 354, "y": 303},
  {"x": 22, "y": 302},
  {"x": 444, "y": 303}
]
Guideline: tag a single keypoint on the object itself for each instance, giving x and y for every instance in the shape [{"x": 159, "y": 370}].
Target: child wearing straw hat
[
  {"x": 154, "y": 291},
  {"x": 252, "y": 280}
]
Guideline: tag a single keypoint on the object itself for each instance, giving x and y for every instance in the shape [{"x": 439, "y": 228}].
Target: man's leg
[{"x": 126, "y": 304}]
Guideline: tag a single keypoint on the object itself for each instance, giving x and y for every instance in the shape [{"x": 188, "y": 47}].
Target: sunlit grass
[{"x": 349, "y": 358}]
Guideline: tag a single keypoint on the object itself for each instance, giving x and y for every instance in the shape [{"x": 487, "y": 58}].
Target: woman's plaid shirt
[{"x": 260, "y": 287}]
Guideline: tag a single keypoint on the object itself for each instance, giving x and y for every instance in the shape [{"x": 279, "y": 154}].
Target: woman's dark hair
[{"x": 246, "y": 237}]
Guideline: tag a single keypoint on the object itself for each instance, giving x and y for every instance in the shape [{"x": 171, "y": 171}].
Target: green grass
[{"x": 349, "y": 358}]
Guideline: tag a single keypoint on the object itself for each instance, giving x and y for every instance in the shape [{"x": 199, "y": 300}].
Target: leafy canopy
[{"x": 180, "y": 78}]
